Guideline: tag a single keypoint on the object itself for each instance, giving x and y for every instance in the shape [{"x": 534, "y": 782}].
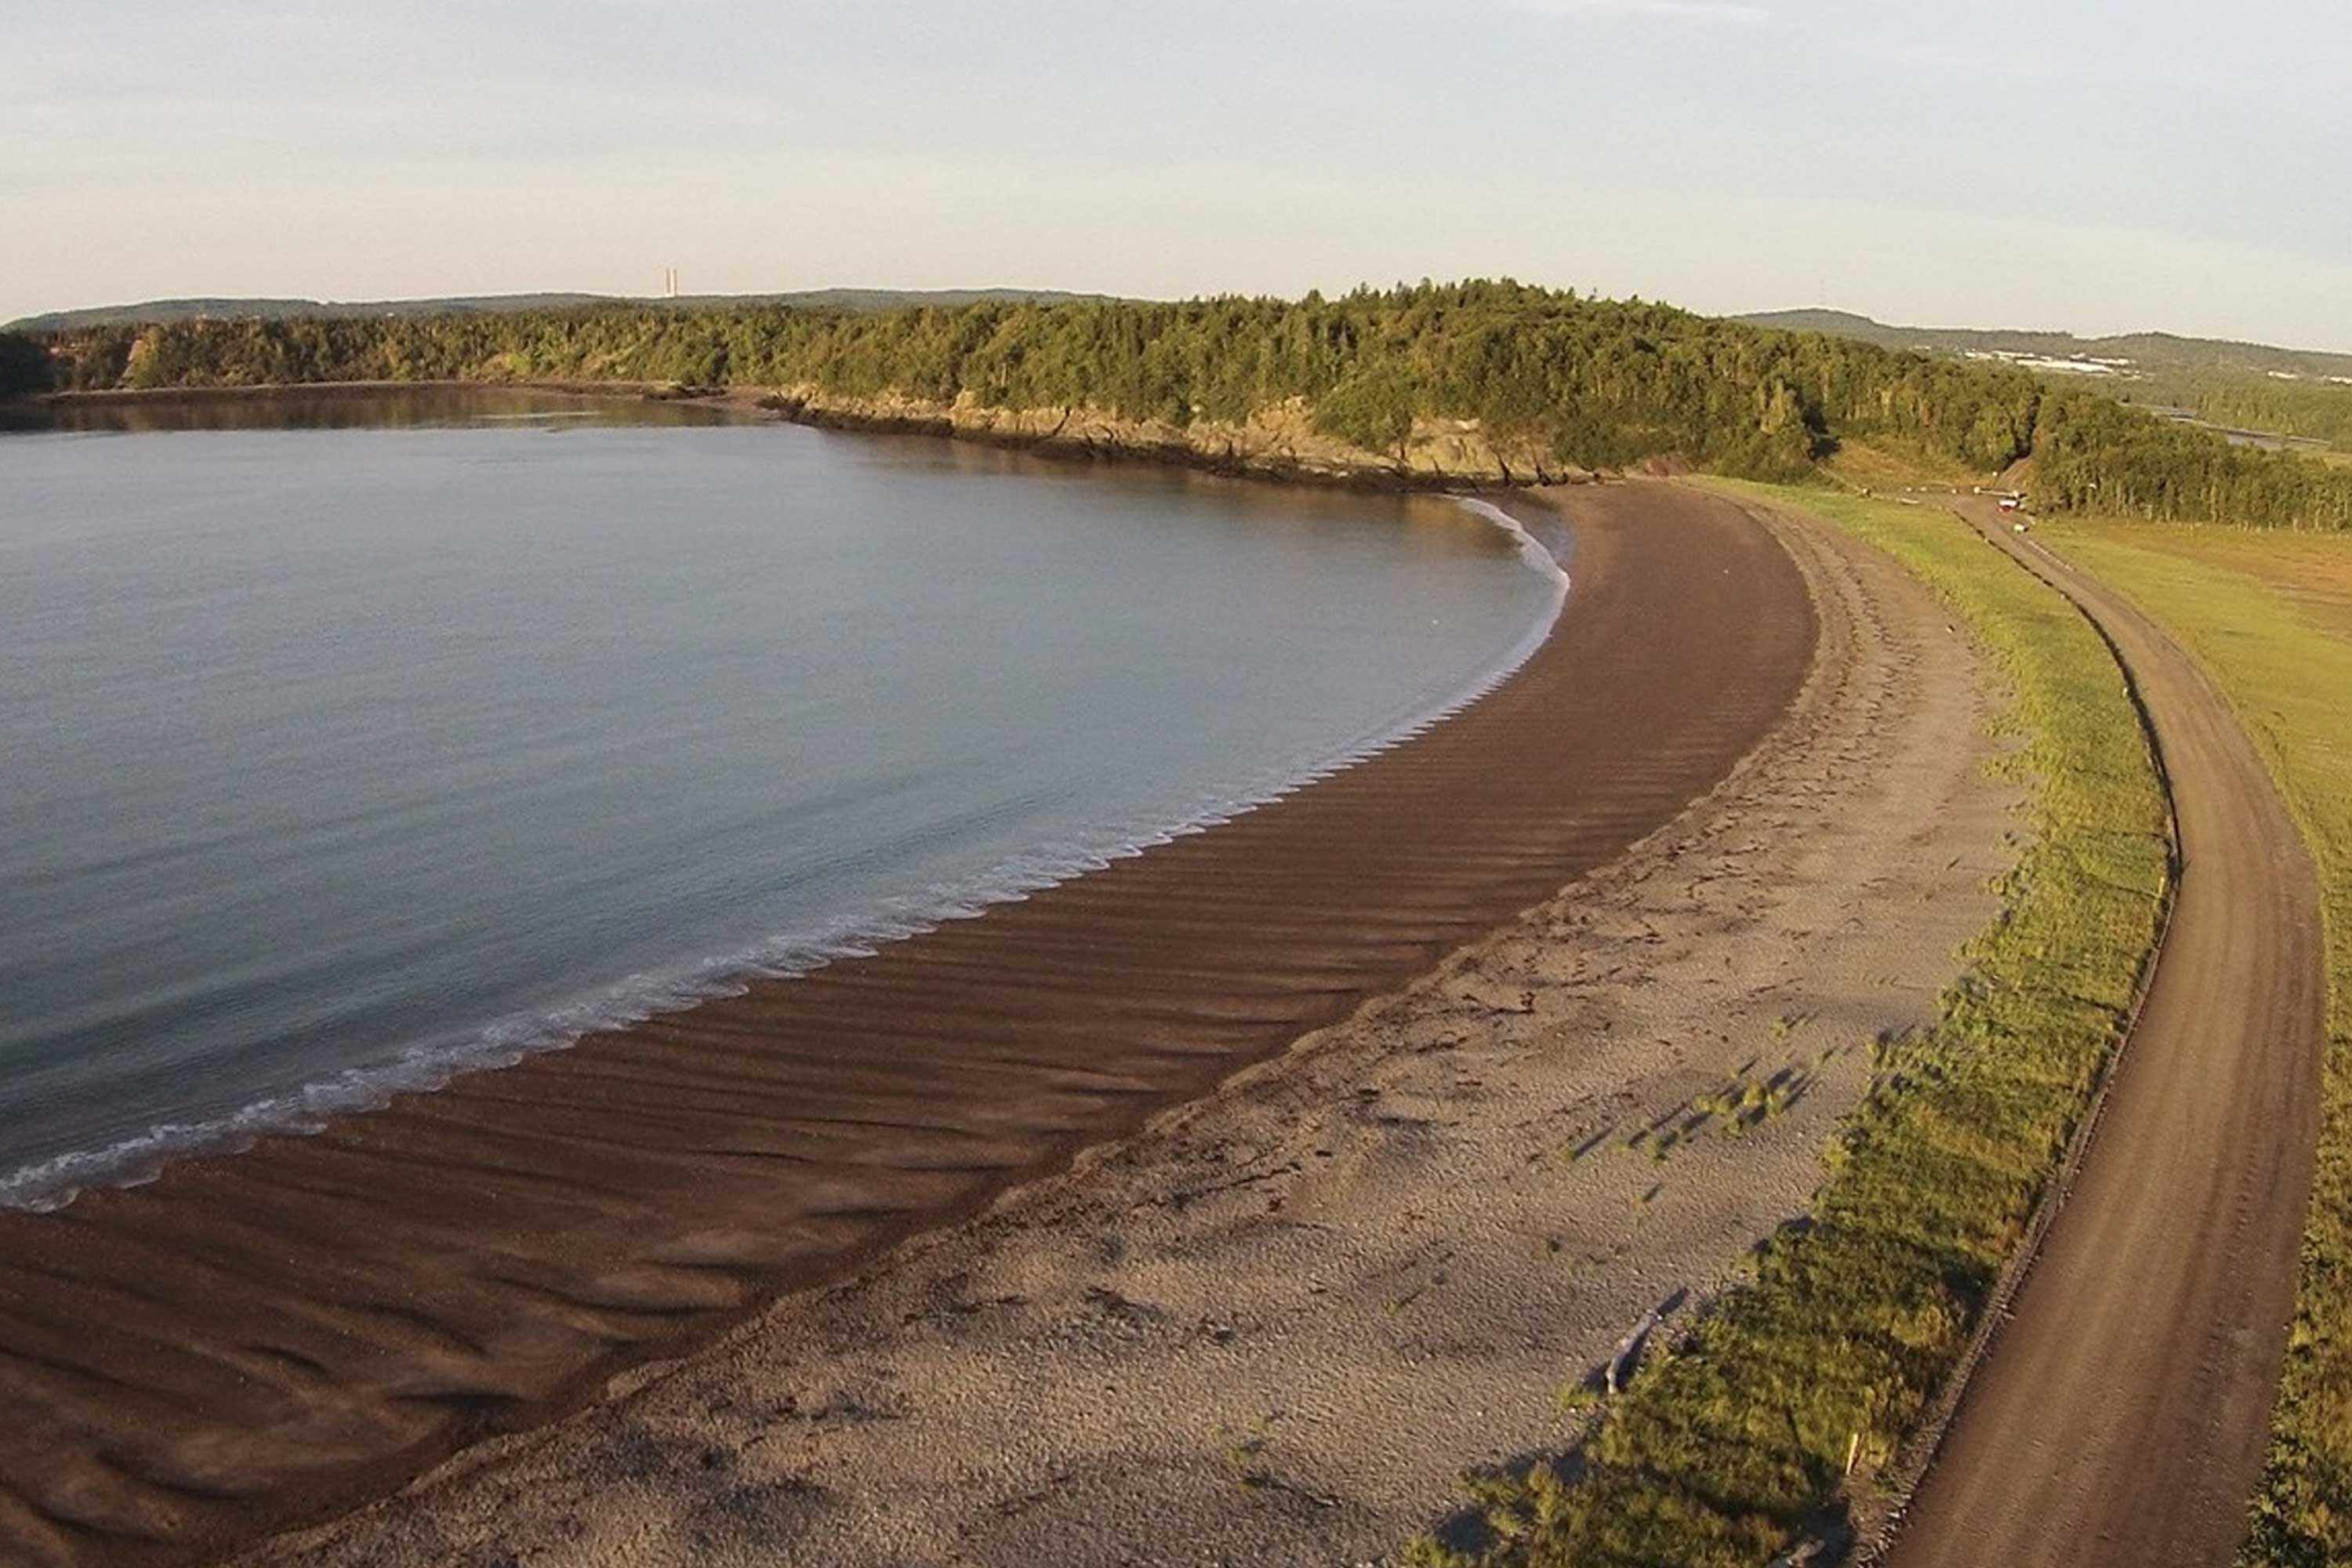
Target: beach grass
[
  {"x": 2269, "y": 619},
  {"x": 1761, "y": 1424}
]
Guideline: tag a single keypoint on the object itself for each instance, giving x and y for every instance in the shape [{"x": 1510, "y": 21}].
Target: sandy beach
[
  {"x": 1277, "y": 1325},
  {"x": 264, "y": 1340}
]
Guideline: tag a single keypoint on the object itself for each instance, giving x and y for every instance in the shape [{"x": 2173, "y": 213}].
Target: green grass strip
[
  {"x": 2278, "y": 646},
  {"x": 1730, "y": 1445}
]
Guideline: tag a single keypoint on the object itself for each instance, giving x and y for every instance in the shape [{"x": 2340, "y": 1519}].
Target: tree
[
  {"x": 24, "y": 366},
  {"x": 1596, "y": 382}
]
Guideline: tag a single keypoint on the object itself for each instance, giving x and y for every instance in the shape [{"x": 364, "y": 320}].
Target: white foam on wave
[{"x": 52, "y": 1184}]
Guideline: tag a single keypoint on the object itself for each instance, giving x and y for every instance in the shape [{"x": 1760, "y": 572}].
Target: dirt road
[{"x": 2121, "y": 1415}]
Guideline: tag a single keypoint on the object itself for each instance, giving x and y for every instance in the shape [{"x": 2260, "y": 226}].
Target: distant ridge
[
  {"x": 2153, "y": 352},
  {"x": 807, "y": 299}
]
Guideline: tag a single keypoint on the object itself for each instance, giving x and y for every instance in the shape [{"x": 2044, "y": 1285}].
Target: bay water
[{"x": 349, "y": 742}]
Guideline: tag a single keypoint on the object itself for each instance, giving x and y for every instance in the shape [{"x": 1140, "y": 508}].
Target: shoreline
[
  {"x": 1276, "y": 1323},
  {"x": 55, "y": 1182},
  {"x": 293, "y": 1329},
  {"x": 1455, "y": 454}
]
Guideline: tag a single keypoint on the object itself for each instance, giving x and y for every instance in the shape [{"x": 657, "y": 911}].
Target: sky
[{"x": 2098, "y": 165}]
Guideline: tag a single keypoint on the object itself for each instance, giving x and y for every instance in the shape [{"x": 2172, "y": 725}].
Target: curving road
[{"x": 2122, "y": 1414}]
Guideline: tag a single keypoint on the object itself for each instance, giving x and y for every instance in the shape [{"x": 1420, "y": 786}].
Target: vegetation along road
[{"x": 2122, "y": 1414}]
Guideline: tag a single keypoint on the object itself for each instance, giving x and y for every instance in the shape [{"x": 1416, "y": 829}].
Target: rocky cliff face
[{"x": 1279, "y": 441}]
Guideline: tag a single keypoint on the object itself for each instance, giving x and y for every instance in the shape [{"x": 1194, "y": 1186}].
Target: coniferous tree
[{"x": 1595, "y": 382}]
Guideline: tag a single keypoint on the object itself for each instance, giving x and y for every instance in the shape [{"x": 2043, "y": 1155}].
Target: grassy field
[
  {"x": 2269, "y": 616},
  {"x": 1890, "y": 466},
  {"x": 1732, "y": 1445}
]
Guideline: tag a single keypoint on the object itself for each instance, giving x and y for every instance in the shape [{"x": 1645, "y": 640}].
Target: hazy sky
[{"x": 2097, "y": 165}]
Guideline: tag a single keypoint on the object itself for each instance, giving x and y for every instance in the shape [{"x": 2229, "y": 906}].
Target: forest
[
  {"x": 2094, "y": 454},
  {"x": 2314, "y": 411},
  {"x": 1598, "y": 383},
  {"x": 24, "y": 366}
]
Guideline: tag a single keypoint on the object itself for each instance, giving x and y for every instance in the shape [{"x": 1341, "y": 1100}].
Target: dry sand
[
  {"x": 265, "y": 1340},
  {"x": 1275, "y": 1326}
]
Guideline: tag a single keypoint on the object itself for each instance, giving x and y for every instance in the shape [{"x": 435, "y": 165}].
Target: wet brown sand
[{"x": 266, "y": 1339}]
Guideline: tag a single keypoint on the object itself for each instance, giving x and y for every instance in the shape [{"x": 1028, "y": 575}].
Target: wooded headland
[{"x": 1539, "y": 380}]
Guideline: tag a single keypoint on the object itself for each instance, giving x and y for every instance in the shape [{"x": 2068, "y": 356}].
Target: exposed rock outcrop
[{"x": 1278, "y": 442}]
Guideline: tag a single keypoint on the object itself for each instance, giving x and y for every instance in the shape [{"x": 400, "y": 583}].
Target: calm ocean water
[{"x": 368, "y": 739}]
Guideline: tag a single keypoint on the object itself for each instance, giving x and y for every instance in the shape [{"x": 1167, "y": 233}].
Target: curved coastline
[
  {"x": 52, "y": 1184},
  {"x": 1440, "y": 455},
  {"x": 257, "y": 1341}
]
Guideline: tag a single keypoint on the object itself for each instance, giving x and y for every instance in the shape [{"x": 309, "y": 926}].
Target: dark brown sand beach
[
  {"x": 262, "y": 1341},
  {"x": 1277, "y": 1325}
]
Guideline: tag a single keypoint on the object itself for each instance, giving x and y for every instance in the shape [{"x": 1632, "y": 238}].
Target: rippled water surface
[{"x": 345, "y": 741}]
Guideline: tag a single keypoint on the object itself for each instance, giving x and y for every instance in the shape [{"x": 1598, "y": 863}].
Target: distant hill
[
  {"x": 809, "y": 299},
  {"x": 2252, "y": 393},
  {"x": 2154, "y": 354}
]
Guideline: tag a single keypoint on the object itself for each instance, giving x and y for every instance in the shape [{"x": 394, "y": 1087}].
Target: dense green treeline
[
  {"x": 2313, "y": 407},
  {"x": 2091, "y": 453},
  {"x": 1597, "y": 384},
  {"x": 24, "y": 366},
  {"x": 2322, "y": 413}
]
